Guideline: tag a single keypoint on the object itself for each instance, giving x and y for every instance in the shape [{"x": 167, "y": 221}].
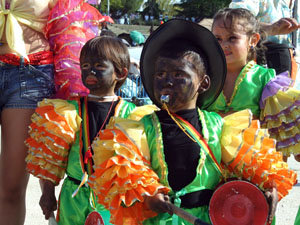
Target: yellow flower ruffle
[
  {"x": 281, "y": 115},
  {"x": 249, "y": 152},
  {"x": 55, "y": 123},
  {"x": 123, "y": 176},
  {"x": 140, "y": 111}
]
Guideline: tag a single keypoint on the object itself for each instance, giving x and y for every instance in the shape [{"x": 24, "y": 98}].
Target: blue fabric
[
  {"x": 23, "y": 86},
  {"x": 269, "y": 11}
]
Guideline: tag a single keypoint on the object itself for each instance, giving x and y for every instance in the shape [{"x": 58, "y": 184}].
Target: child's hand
[
  {"x": 272, "y": 199},
  {"x": 159, "y": 203},
  {"x": 48, "y": 201}
]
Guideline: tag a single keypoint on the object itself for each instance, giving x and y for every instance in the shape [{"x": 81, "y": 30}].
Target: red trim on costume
[{"x": 39, "y": 58}]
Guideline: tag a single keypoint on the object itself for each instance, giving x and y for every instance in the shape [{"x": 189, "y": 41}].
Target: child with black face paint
[
  {"x": 175, "y": 154},
  {"x": 63, "y": 130}
]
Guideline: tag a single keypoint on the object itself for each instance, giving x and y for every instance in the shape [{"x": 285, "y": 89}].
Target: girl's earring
[{"x": 251, "y": 47}]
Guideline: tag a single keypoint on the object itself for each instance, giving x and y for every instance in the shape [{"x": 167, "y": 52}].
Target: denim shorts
[{"x": 25, "y": 85}]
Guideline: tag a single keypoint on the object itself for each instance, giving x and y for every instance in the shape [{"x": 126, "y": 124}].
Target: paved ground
[{"x": 286, "y": 210}]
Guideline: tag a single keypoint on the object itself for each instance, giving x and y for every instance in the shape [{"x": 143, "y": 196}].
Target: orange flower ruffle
[
  {"x": 123, "y": 176},
  {"x": 55, "y": 123},
  {"x": 249, "y": 152}
]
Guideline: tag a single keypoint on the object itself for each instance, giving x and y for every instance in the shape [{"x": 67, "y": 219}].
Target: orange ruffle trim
[
  {"x": 256, "y": 160},
  {"x": 49, "y": 141},
  {"x": 122, "y": 182}
]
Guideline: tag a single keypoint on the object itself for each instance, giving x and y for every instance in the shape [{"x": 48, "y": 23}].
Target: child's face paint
[
  {"x": 179, "y": 80},
  {"x": 98, "y": 75},
  {"x": 235, "y": 43}
]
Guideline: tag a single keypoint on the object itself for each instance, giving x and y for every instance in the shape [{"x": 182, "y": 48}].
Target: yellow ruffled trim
[
  {"x": 239, "y": 80},
  {"x": 141, "y": 111},
  {"x": 280, "y": 101},
  {"x": 290, "y": 150},
  {"x": 123, "y": 175},
  {"x": 66, "y": 110},
  {"x": 248, "y": 151},
  {"x": 290, "y": 117},
  {"x": 55, "y": 123},
  {"x": 274, "y": 106}
]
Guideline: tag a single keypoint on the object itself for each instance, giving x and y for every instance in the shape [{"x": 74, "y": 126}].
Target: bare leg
[{"x": 13, "y": 177}]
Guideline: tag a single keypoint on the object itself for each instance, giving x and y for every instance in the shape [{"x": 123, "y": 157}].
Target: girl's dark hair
[
  {"x": 230, "y": 16},
  {"x": 108, "y": 48}
]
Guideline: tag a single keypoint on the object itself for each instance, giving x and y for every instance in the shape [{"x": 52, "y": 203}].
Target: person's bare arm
[
  {"x": 282, "y": 26},
  {"x": 272, "y": 198},
  {"x": 48, "y": 201}
]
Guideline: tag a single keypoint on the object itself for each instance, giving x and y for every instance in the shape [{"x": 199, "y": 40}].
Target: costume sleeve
[
  {"x": 280, "y": 113},
  {"x": 252, "y": 5},
  {"x": 123, "y": 175},
  {"x": 70, "y": 25},
  {"x": 53, "y": 129},
  {"x": 249, "y": 152}
]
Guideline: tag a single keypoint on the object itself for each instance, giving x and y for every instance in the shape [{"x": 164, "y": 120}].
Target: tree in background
[
  {"x": 151, "y": 9},
  {"x": 120, "y": 7},
  {"x": 200, "y": 8},
  {"x": 168, "y": 7}
]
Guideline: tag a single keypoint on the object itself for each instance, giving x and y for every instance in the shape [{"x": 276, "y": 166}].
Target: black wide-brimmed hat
[{"x": 182, "y": 34}]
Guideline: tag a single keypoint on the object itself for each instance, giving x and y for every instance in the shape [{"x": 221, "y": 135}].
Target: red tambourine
[
  {"x": 94, "y": 218},
  {"x": 238, "y": 202}
]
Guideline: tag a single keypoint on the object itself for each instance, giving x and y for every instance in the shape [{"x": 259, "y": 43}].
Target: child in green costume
[
  {"x": 270, "y": 97},
  {"x": 63, "y": 130},
  {"x": 175, "y": 154}
]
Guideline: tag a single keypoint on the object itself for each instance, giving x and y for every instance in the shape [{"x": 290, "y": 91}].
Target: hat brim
[
  {"x": 238, "y": 202},
  {"x": 197, "y": 36}
]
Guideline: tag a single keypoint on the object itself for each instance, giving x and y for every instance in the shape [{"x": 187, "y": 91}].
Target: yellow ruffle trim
[
  {"x": 55, "y": 123},
  {"x": 249, "y": 152},
  {"x": 140, "y": 111},
  {"x": 280, "y": 101},
  {"x": 123, "y": 176},
  {"x": 283, "y": 111}
]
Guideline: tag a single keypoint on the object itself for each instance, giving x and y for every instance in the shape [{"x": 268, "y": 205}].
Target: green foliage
[
  {"x": 167, "y": 7},
  {"x": 118, "y": 8},
  {"x": 151, "y": 8},
  {"x": 200, "y": 8}
]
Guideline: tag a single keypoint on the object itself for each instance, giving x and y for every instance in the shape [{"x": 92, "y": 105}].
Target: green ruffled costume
[
  {"x": 247, "y": 92},
  {"x": 74, "y": 210},
  {"x": 207, "y": 176},
  {"x": 130, "y": 164},
  {"x": 71, "y": 211},
  {"x": 272, "y": 99}
]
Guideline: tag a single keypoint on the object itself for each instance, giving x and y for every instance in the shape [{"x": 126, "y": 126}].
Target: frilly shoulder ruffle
[
  {"x": 123, "y": 176},
  {"x": 140, "y": 111},
  {"x": 53, "y": 129},
  {"x": 70, "y": 25},
  {"x": 249, "y": 152},
  {"x": 280, "y": 113}
]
